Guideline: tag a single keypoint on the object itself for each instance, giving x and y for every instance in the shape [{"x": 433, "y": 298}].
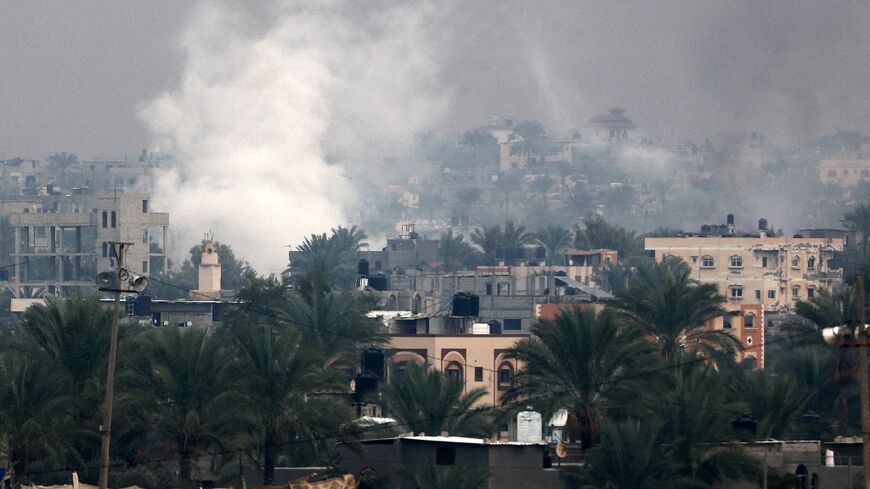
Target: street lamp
[
  {"x": 114, "y": 282},
  {"x": 846, "y": 336}
]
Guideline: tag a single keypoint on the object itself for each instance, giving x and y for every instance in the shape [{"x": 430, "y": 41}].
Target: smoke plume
[{"x": 265, "y": 120}]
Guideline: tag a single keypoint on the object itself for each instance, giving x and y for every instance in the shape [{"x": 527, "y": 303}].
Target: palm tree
[
  {"x": 72, "y": 337},
  {"x": 512, "y": 240},
  {"x": 776, "y": 402},
  {"x": 582, "y": 361},
  {"x": 452, "y": 250},
  {"x": 185, "y": 383},
  {"x": 630, "y": 457},
  {"x": 858, "y": 220},
  {"x": 533, "y": 140},
  {"x": 35, "y": 419},
  {"x": 286, "y": 388},
  {"x": 349, "y": 239},
  {"x": 674, "y": 309},
  {"x": 696, "y": 416},
  {"x": 824, "y": 310},
  {"x": 428, "y": 401},
  {"x": 598, "y": 233},
  {"x": 555, "y": 239},
  {"x": 488, "y": 238}
]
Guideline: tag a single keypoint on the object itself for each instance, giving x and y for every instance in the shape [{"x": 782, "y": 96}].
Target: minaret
[{"x": 209, "y": 274}]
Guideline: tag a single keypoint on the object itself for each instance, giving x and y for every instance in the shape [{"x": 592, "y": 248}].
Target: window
[
  {"x": 488, "y": 289},
  {"x": 114, "y": 219},
  {"x": 771, "y": 294},
  {"x": 505, "y": 375},
  {"x": 707, "y": 262},
  {"x": 504, "y": 288},
  {"x": 736, "y": 292},
  {"x": 811, "y": 292},
  {"x": 811, "y": 263},
  {"x": 726, "y": 321},
  {"x": 454, "y": 371},
  {"x": 478, "y": 374},
  {"x": 513, "y": 324},
  {"x": 144, "y": 266},
  {"x": 796, "y": 292},
  {"x": 105, "y": 249},
  {"x": 144, "y": 206},
  {"x": 105, "y": 219},
  {"x": 736, "y": 262},
  {"x": 445, "y": 455},
  {"x": 757, "y": 295},
  {"x": 832, "y": 173},
  {"x": 795, "y": 261},
  {"x": 764, "y": 262},
  {"x": 749, "y": 321}
]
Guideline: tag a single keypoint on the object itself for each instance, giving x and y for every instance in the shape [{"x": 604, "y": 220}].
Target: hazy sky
[{"x": 75, "y": 73}]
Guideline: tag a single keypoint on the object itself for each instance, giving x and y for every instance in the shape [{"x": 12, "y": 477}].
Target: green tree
[
  {"x": 488, "y": 238},
  {"x": 556, "y": 239},
  {"x": 532, "y": 140},
  {"x": 858, "y": 221},
  {"x": 674, "y": 309},
  {"x": 453, "y": 250},
  {"x": 185, "y": 385},
  {"x": 598, "y": 233},
  {"x": 286, "y": 390},
  {"x": 428, "y": 401},
  {"x": 582, "y": 361},
  {"x": 482, "y": 148},
  {"x": 630, "y": 457},
  {"x": 428, "y": 475}
]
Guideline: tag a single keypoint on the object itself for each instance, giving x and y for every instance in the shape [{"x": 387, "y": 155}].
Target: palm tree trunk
[
  {"x": 269, "y": 450},
  {"x": 185, "y": 466}
]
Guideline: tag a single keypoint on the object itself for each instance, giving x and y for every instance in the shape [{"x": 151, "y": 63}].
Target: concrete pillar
[{"x": 17, "y": 257}]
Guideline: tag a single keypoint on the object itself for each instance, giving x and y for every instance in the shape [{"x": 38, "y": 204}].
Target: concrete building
[
  {"x": 509, "y": 464},
  {"x": 849, "y": 169},
  {"x": 62, "y": 247},
  {"x": 613, "y": 127}
]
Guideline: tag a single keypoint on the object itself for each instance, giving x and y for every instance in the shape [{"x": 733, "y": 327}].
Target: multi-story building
[
  {"x": 63, "y": 246},
  {"x": 613, "y": 127},
  {"x": 849, "y": 169},
  {"x": 759, "y": 275}
]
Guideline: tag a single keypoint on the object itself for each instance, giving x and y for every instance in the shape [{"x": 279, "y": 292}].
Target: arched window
[
  {"x": 708, "y": 262},
  {"x": 795, "y": 261},
  {"x": 811, "y": 263},
  {"x": 114, "y": 219},
  {"x": 105, "y": 219},
  {"x": 417, "y": 304},
  {"x": 505, "y": 375},
  {"x": 454, "y": 370},
  {"x": 736, "y": 262},
  {"x": 105, "y": 249},
  {"x": 392, "y": 303}
]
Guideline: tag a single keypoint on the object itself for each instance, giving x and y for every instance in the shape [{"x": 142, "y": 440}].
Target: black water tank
[
  {"x": 378, "y": 282},
  {"x": 730, "y": 219},
  {"x": 142, "y": 306},
  {"x": 762, "y": 224},
  {"x": 373, "y": 362},
  {"x": 362, "y": 268},
  {"x": 465, "y": 304},
  {"x": 494, "y": 327},
  {"x": 365, "y": 383}
]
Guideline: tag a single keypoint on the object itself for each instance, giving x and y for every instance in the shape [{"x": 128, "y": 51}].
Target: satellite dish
[
  {"x": 104, "y": 279},
  {"x": 561, "y": 450}
]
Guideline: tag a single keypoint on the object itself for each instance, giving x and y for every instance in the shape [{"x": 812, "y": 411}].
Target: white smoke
[{"x": 254, "y": 116}]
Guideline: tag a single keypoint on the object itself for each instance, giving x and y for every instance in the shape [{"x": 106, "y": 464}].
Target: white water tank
[
  {"x": 529, "y": 426},
  {"x": 480, "y": 328}
]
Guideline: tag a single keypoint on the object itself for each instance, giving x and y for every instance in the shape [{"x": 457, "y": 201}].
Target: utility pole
[
  {"x": 844, "y": 337},
  {"x": 108, "y": 283},
  {"x": 862, "y": 380},
  {"x": 120, "y": 252}
]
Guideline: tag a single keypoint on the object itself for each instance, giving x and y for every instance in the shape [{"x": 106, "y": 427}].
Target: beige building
[
  {"x": 58, "y": 251},
  {"x": 478, "y": 359},
  {"x": 770, "y": 271},
  {"x": 845, "y": 172}
]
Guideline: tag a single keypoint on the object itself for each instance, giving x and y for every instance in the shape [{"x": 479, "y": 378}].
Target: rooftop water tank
[{"x": 529, "y": 426}]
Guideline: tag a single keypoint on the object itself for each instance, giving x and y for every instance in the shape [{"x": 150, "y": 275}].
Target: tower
[{"x": 209, "y": 273}]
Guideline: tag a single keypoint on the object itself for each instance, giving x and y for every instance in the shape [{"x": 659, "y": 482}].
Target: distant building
[
  {"x": 61, "y": 248},
  {"x": 850, "y": 169},
  {"x": 613, "y": 127}
]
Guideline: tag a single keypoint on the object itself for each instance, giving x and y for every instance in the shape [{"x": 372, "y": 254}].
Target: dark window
[
  {"x": 811, "y": 292},
  {"x": 445, "y": 455},
  {"x": 454, "y": 371},
  {"x": 764, "y": 261},
  {"x": 749, "y": 321},
  {"x": 478, "y": 374},
  {"x": 726, "y": 322},
  {"x": 736, "y": 262},
  {"x": 114, "y": 219},
  {"x": 771, "y": 294},
  {"x": 105, "y": 219},
  {"x": 736, "y": 292},
  {"x": 757, "y": 294},
  {"x": 144, "y": 206},
  {"x": 513, "y": 324},
  {"x": 707, "y": 262},
  {"x": 105, "y": 249},
  {"x": 811, "y": 263},
  {"x": 488, "y": 289},
  {"x": 505, "y": 375}
]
